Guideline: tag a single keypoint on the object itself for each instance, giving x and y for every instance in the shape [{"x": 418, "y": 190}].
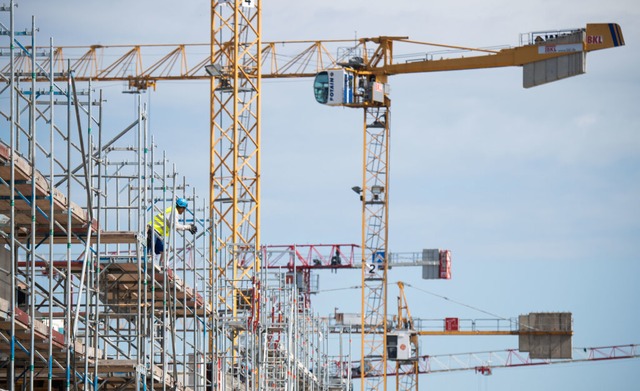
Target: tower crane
[
  {"x": 363, "y": 82},
  {"x": 237, "y": 63},
  {"x": 402, "y": 347}
]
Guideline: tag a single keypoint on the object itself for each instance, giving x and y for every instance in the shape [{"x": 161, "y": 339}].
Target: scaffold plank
[{"x": 24, "y": 180}]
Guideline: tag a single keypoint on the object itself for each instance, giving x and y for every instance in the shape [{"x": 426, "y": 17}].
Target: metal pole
[
  {"x": 184, "y": 298},
  {"x": 89, "y": 257},
  {"x": 12, "y": 247},
  {"x": 174, "y": 291},
  {"x": 98, "y": 243},
  {"x": 51, "y": 215},
  {"x": 69, "y": 337},
  {"x": 143, "y": 199},
  {"x": 32, "y": 157},
  {"x": 150, "y": 271}
]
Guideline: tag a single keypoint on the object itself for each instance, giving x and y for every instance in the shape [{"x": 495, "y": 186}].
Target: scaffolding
[
  {"x": 83, "y": 302},
  {"x": 293, "y": 340}
]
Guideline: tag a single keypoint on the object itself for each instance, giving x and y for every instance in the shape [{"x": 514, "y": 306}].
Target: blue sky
[{"x": 536, "y": 192}]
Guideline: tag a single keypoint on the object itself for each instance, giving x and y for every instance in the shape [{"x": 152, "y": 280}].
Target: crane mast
[
  {"x": 375, "y": 236},
  {"x": 235, "y": 183}
]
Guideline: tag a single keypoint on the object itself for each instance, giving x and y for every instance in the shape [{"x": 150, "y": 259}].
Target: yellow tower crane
[
  {"x": 544, "y": 338},
  {"x": 237, "y": 62},
  {"x": 362, "y": 82}
]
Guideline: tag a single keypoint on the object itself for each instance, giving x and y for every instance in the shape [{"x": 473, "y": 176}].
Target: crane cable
[
  {"x": 340, "y": 289},
  {"x": 459, "y": 303},
  {"x": 427, "y": 292}
]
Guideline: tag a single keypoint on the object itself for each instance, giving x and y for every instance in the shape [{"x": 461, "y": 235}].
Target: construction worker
[{"x": 159, "y": 228}]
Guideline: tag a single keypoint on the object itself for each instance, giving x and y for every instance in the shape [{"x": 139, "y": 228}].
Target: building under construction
[
  {"x": 83, "y": 304},
  {"x": 86, "y": 304}
]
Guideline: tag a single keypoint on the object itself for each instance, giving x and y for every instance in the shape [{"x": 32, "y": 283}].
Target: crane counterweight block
[{"x": 564, "y": 55}]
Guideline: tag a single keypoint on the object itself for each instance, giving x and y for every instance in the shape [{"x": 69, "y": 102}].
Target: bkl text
[{"x": 595, "y": 40}]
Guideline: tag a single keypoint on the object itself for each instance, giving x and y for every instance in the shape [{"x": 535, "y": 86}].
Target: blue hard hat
[{"x": 181, "y": 203}]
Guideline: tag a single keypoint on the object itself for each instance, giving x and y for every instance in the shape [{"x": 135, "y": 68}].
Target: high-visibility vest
[{"x": 159, "y": 222}]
